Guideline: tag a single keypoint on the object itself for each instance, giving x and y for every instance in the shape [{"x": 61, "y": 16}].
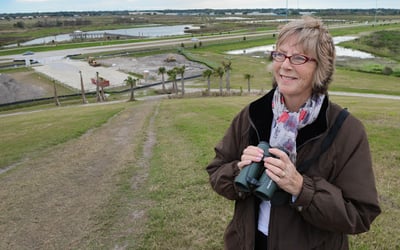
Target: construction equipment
[
  {"x": 170, "y": 58},
  {"x": 102, "y": 82},
  {"x": 93, "y": 62}
]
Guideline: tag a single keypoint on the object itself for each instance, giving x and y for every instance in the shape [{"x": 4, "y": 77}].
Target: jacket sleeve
[
  {"x": 223, "y": 168},
  {"x": 347, "y": 200}
]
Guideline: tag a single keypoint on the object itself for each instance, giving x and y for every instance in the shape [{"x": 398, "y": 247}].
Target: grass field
[
  {"x": 25, "y": 135},
  {"x": 185, "y": 212}
]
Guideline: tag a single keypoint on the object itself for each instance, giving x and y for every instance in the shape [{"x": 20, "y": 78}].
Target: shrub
[{"x": 387, "y": 71}]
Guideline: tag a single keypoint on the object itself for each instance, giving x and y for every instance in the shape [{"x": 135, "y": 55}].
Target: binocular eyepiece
[{"x": 254, "y": 179}]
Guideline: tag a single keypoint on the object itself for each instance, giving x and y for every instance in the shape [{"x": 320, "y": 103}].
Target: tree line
[{"x": 279, "y": 11}]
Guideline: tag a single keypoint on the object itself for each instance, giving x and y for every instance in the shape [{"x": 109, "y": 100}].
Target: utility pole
[{"x": 287, "y": 10}]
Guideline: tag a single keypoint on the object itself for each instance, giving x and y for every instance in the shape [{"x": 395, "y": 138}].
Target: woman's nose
[{"x": 286, "y": 63}]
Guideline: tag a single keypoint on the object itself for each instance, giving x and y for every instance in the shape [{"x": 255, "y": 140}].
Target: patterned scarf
[{"x": 286, "y": 125}]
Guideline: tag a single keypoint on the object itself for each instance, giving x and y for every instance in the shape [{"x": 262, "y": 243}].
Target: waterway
[
  {"x": 148, "y": 31},
  {"x": 340, "y": 51}
]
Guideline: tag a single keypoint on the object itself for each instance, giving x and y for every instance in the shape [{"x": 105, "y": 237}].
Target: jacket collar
[{"x": 260, "y": 115}]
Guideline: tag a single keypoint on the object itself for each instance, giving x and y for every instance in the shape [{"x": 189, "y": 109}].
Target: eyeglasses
[{"x": 293, "y": 59}]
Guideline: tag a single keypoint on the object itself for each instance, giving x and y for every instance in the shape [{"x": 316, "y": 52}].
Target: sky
[{"x": 17, "y": 6}]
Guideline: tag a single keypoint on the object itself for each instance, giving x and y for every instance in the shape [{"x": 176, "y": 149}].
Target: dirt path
[{"x": 55, "y": 200}]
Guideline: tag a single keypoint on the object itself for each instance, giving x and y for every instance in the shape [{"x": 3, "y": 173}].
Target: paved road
[{"x": 392, "y": 97}]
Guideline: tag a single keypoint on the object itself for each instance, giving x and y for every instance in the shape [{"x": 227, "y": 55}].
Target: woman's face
[{"x": 294, "y": 81}]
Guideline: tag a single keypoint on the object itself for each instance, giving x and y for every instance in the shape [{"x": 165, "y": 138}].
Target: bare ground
[
  {"x": 22, "y": 86},
  {"x": 58, "y": 200},
  {"x": 151, "y": 64}
]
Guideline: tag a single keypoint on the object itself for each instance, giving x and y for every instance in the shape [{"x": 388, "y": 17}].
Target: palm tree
[
  {"x": 181, "y": 71},
  {"x": 98, "y": 96},
  {"x": 84, "y": 101},
  {"x": 207, "y": 74},
  {"x": 219, "y": 72},
  {"x": 227, "y": 68},
  {"x": 132, "y": 83},
  {"x": 57, "y": 101},
  {"x": 172, "y": 77},
  {"x": 248, "y": 76},
  {"x": 162, "y": 71}
]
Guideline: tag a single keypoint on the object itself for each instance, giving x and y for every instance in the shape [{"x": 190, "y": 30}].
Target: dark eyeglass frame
[{"x": 305, "y": 59}]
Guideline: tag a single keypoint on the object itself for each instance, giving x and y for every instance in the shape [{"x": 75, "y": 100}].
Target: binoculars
[{"x": 253, "y": 179}]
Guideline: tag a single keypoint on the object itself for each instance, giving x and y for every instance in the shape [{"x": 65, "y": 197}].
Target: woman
[{"x": 336, "y": 195}]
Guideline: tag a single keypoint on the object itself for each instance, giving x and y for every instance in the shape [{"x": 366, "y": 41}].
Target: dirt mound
[
  {"x": 151, "y": 64},
  {"x": 13, "y": 90}
]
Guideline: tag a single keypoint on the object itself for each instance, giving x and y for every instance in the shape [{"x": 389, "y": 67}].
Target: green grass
[
  {"x": 187, "y": 214},
  {"x": 362, "y": 29},
  {"x": 353, "y": 81},
  {"x": 383, "y": 43},
  {"x": 26, "y": 134},
  {"x": 74, "y": 45}
]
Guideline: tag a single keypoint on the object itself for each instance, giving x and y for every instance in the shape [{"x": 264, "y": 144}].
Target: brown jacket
[{"x": 338, "y": 196}]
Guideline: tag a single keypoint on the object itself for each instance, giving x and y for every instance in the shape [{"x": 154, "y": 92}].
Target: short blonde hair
[{"x": 313, "y": 37}]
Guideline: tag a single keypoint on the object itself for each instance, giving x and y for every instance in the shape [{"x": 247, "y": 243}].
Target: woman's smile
[{"x": 288, "y": 78}]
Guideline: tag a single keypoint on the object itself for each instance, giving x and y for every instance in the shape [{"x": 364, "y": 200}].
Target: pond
[
  {"x": 340, "y": 51},
  {"x": 148, "y": 31}
]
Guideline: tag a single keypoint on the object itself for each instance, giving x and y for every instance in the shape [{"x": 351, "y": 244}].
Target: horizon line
[{"x": 202, "y": 9}]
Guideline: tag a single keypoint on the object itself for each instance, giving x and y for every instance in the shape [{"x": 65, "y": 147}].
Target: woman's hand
[
  {"x": 283, "y": 172},
  {"x": 250, "y": 154}
]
